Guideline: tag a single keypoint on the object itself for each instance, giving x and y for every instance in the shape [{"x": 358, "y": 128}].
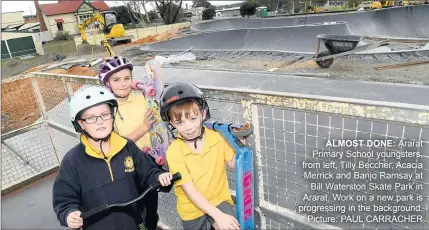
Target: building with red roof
[{"x": 66, "y": 15}]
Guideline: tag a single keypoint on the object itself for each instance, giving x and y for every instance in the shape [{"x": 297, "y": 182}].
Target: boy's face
[
  {"x": 121, "y": 83},
  {"x": 96, "y": 126},
  {"x": 189, "y": 124}
]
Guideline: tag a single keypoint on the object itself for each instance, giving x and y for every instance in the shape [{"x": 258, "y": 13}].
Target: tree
[
  {"x": 195, "y": 3},
  {"x": 247, "y": 9},
  {"x": 168, "y": 10},
  {"x": 201, "y": 3},
  {"x": 145, "y": 11},
  {"x": 134, "y": 12},
  {"x": 152, "y": 15},
  {"x": 122, "y": 14},
  {"x": 270, "y": 4},
  {"x": 209, "y": 13}
]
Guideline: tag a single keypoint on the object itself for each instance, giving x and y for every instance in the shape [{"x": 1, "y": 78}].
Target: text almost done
[{"x": 365, "y": 181}]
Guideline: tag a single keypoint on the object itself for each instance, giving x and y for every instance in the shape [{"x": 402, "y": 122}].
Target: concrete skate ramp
[
  {"x": 405, "y": 22},
  {"x": 297, "y": 39}
]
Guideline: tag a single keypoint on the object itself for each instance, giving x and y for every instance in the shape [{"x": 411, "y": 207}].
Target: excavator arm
[{"x": 96, "y": 18}]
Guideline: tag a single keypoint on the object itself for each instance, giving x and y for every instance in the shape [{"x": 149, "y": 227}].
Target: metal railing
[{"x": 288, "y": 129}]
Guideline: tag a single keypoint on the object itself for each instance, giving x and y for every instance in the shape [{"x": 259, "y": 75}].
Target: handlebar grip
[
  {"x": 175, "y": 178},
  {"x": 95, "y": 211}
]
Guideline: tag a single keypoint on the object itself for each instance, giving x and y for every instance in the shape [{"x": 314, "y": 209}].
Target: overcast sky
[{"x": 28, "y": 6}]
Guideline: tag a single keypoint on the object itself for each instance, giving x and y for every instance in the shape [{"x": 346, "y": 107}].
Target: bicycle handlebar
[{"x": 107, "y": 207}]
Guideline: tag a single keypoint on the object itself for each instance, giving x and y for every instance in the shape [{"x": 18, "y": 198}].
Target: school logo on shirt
[{"x": 129, "y": 164}]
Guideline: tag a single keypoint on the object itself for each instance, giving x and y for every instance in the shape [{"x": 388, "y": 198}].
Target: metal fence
[{"x": 289, "y": 129}]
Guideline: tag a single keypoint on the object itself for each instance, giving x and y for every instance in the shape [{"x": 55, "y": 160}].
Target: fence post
[
  {"x": 8, "y": 49},
  {"x": 39, "y": 97},
  {"x": 258, "y": 178},
  {"x": 69, "y": 89}
]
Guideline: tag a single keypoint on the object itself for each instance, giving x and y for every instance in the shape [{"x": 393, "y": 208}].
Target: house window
[{"x": 60, "y": 26}]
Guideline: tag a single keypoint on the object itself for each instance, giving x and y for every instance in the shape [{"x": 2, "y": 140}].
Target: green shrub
[{"x": 63, "y": 36}]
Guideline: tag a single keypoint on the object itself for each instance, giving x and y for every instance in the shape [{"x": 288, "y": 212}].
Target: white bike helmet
[{"x": 87, "y": 98}]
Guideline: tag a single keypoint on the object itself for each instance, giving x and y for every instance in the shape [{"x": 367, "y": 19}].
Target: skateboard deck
[
  {"x": 152, "y": 86},
  {"x": 243, "y": 169}
]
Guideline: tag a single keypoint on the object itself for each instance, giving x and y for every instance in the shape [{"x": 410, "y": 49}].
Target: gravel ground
[
  {"x": 356, "y": 67},
  {"x": 16, "y": 66}
]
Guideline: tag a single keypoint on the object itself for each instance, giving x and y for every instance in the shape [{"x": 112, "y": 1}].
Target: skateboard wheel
[
  {"x": 136, "y": 85},
  {"x": 243, "y": 131},
  {"x": 146, "y": 150},
  {"x": 160, "y": 160},
  {"x": 327, "y": 62},
  {"x": 151, "y": 91}
]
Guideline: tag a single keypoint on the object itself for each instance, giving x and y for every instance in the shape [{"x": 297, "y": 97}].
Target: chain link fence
[{"x": 289, "y": 130}]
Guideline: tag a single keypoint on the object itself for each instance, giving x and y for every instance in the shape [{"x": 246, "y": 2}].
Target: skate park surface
[
  {"x": 385, "y": 92},
  {"x": 298, "y": 34},
  {"x": 31, "y": 207}
]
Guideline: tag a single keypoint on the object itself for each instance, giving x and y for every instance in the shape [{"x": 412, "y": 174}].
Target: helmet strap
[
  {"x": 101, "y": 140},
  {"x": 195, "y": 139}
]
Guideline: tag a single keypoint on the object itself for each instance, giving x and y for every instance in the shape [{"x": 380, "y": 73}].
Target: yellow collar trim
[{"x": 117, "y": 143}]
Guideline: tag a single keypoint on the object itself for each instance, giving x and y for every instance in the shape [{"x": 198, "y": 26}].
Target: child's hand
[
  {"x": 165, "y": 178},
  {"x": 148, "y": 120},
  {"x": 74, "y": 220},
  {"x": 225, "y": 221}
]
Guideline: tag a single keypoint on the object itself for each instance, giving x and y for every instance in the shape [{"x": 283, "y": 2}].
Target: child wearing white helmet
[
  {"x": 103, "y": 168},
  {"x": 135, "y": 117}
]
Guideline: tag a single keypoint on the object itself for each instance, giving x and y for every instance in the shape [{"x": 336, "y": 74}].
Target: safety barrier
[{"x": 288, "y": 128}]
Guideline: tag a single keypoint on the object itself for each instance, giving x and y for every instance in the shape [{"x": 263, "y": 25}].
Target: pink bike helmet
[{"x": 112, "y": 65}]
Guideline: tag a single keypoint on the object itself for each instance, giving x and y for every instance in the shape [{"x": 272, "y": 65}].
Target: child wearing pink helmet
[{"x": 135, "y": 117}]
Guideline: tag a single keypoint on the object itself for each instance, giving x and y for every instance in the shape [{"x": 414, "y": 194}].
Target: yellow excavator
[
  {"x": 380, "y": 4},
  {"x": 114, "y": 32}
]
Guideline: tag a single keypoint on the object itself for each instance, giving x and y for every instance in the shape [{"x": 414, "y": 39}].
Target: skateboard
[
  {"x": 232, "y": 133},
  {"x": 152, "y": 86}
]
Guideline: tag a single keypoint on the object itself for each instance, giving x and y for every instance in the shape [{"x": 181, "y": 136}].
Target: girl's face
[
  {"x": 97, "y": 121},
  {"x": 121, "y": 83}
]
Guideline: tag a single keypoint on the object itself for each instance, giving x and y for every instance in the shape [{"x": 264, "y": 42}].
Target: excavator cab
[
  {"x": 110, "y": 20},
  {"x": 112, "y": 29}
]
